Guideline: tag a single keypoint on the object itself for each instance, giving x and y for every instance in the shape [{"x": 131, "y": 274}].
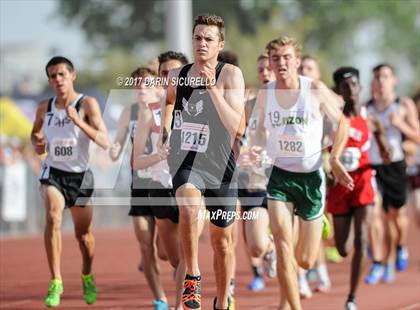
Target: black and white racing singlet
[
  {"x": 132, "y": 129},
  {"x": 68, "y": 145},
  {"x": 392, "y": 134},
  {"x": 199, "y": 140}
]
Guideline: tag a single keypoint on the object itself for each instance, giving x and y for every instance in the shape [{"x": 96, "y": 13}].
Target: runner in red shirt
[{"x": 353, "y": 205}]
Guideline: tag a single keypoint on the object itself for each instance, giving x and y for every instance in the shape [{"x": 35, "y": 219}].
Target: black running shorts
[
  {"x": 76, "y": 188},
  {"x": 140, "y": 197},
  {"x": 220, "y": 200},
  {"x": 392, "y": 184},
  {"x": 162, "y": 202}
]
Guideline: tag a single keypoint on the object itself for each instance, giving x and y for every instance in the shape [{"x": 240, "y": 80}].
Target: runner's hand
[
  {"x": 162, "y": 145},
  {"x": 73, "y": 115},
  {"x": 209, "y": 74},
  {"x": 255, "y": 154},
  {"x": 115, "y": 150},
  {"x": 395, "y": 119},
  {"x": 386, "y": 155},
  {"x": 244, "y": 160},
  {"x": 340, "y": 174},
  {"x": 40, "y": 146},
  {"x": 162, "y": 150}
]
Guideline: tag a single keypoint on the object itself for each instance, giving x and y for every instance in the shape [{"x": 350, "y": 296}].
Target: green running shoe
[
  {"x": 326, "y": 228},
  {"x": 332, "y": 255},
  {"x": 54, "y": 292},
  {"x": 89, "y": 288}
]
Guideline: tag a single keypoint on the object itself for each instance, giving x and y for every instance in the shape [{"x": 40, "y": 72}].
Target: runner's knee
[
  {"x": 174, "y": 261},
  {"x": 54, "y": 219},
  {"x": 276, "y": 227},
  {"x": 162, "y": 256},
  {"x": 285, "y": 252},
  {"x": 147, "y": 249},
  {"x": 342, "y": 249},
  {"x": 85, "y": 237},
  {"x": 305, "y": 261},
  {"x": 256, "y": 250},
  {"x": 189, "y": 213},
  {"x": 221, "y": 244}
]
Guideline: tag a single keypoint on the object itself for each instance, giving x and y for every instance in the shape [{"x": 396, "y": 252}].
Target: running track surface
[{"x": 24, "y": 277}]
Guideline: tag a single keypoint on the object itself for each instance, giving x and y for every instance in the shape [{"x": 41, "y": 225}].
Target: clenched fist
[{"x": 73, "y": 115}]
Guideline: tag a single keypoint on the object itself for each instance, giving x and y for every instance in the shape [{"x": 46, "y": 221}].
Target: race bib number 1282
[{"x": 291, "y": 146}]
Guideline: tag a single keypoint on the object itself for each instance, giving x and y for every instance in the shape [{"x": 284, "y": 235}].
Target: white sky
[
  {"x": 32, "y": 22},
  {"x": 27, "y": 22}
]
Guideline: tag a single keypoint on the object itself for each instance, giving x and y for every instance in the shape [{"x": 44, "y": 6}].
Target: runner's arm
[
  {"x": 167, "y": 108},
  {"x": 409, "y": 126},
  {"x": 121, "y": 136},
  {"x": 330, "y": 103},
  {"x": 337, "y": 167},
  {"x": 94, "y": 128},
  {"x": 144, "y": 126},
  {"x": 379, "y": 134},
  {"x": 37, "y": 135},
  {"x": 259, "y": 138},
  {"x": 230, "y": 103}
]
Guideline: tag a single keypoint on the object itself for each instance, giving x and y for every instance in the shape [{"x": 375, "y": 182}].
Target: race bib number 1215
[{"x": 194, "y": 137}]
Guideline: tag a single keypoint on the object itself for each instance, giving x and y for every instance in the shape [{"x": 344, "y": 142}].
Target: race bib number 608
[
  {"x": 63, "y": 150},
  {"x": 194, "y": 137}
]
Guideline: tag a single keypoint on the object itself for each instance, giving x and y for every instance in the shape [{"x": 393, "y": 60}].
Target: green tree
[
  {"x": 332, "y": 25},
  {"x": 327, "y": 23},
  {"x": 126, "y": 23},
  {"x": 327, "y": 28}
]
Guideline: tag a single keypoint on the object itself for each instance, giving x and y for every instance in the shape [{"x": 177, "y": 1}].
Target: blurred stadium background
[{"x": 107, "y": 39}]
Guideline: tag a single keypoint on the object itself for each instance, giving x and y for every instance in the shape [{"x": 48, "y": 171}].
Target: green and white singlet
[
  {"x": 295, "y": 144},
  {"x": 295, "y": 134}
]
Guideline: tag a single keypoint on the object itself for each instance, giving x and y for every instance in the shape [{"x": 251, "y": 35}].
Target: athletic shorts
[
  {"x": 140, "y": 197},
  {"x": 414, "y": 181},
  {"x": 69, "y": 184},
  {"x": 392, "y": 184},
  {"x": 220, "y": 201},
  {"x": 341, "y": 200},
  {"x": 304, "y": 190},
  {"x": 413, "y": 173},
  {"x": 252, "y": 199},
  {"x": 162, "y": 202}
]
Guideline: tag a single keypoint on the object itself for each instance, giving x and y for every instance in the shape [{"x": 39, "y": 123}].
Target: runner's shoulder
[
  {"x": 231, "y": 77},
  {"x": 406, "y": 106},
  {"x": 175, "y": 72},
  {"x": 317, "y": 84},
  {"x": 262, "y": 92},
  {"x": 43, "y": 106},
  {"x": 231, "y": 70},
  {"x": 88, "y": 101},
  {"x": 406, "y": 101}
]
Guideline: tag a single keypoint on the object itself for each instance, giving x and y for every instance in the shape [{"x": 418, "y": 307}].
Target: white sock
[
  {"x": 303, "y": 282},
  {"x": 323, "y": 276}
]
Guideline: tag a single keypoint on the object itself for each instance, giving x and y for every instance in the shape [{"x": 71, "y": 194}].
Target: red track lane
[{"x": 24, "y": 278}]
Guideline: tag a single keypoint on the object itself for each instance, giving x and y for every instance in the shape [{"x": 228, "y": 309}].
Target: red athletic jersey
[
  {"x": 355, "y": 154},
  {"x": 355, "y": 159},
  {"x": 156, "y": 112}
]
